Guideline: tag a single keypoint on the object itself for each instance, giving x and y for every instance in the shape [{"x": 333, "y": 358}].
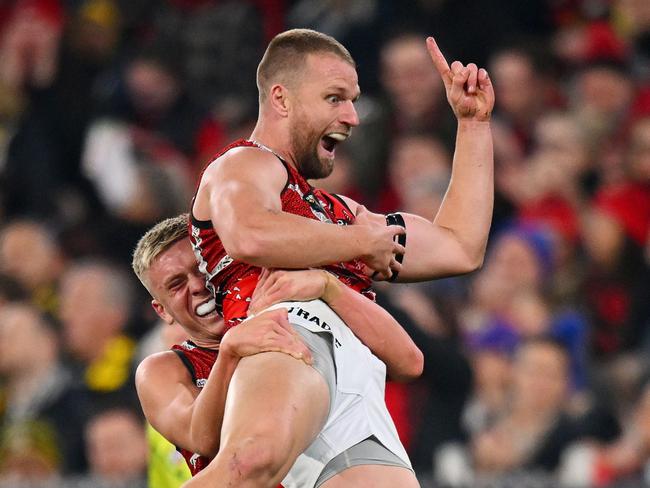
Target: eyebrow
[{"x": 341, "y": 90}]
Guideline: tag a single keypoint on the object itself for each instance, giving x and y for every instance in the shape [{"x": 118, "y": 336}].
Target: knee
[{"x": 254, "y": 458}]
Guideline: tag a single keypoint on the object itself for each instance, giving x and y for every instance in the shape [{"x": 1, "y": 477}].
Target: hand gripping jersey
[{"x": 232, "y": 282}]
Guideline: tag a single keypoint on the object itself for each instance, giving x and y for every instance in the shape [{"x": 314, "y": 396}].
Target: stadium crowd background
[{"x": 536, "y": 366}]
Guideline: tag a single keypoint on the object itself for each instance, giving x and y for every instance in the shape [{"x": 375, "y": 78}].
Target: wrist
[
  {"x": 332, "y": 288},
  {"x": 472, "y": 124},
  {"x": 226, "y": 350}
]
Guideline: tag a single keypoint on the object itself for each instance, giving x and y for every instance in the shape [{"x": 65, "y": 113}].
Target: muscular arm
[
  {"x": 191, "y": 417},
  {"x": 454, "y": 243},
  {"x": 180, "y": 411},
  {"x": 375, "y": 327},
  {"x": 240, "y": 193}
]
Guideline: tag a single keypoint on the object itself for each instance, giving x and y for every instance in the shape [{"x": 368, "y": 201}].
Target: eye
[
  {"x": 334, "y": 99},
  {"x": 175, "y": 285}
]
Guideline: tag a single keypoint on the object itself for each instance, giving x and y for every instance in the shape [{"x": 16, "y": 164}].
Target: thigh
[
  {"x": 275, "y": 397},
  {"x": 377, "y": 476}
]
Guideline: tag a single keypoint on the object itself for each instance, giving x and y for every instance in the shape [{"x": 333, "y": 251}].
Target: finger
[
  {"x": 485, "y": 83},
  {"x": 456, "y": 68},
  {"x": 458, "y": 84},
  {"x": 439, "y": 61},
  {"x": 473, "y": 77},
  {"x": 295, "y": 346},
  {"x": 264, "y": 275},
  {"x": 395, "y": 266},
  {"x": 398, "y": 248},
  {"x": 382, "y": 275},
  {"x": 482, "y": 77},
  {"x": 396, "y": 230}
]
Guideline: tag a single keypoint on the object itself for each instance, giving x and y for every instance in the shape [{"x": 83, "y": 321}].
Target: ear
[
  {"x": 279, "y": 100},
  {"x": 162, "y": 312}
]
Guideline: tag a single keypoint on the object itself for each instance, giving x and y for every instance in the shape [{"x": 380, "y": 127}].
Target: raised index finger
[{"x": 439, "y": 60}]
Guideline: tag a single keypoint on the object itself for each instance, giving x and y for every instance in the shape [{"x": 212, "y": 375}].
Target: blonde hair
[
  {"x": 155, "y": 241},
  {"x": 287, "y": 52}
]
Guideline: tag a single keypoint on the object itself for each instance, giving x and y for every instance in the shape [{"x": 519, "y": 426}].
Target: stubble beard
[{"x": 304, "y": 142}]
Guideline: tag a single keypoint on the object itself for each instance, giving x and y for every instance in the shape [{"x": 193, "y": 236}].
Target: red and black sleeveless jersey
[
  {"x": 199, "y": 362},
  {"x": 232, "y": 282}
]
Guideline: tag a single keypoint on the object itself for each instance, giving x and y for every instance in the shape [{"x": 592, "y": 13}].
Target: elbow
[
  {"x": 207, "y": 446},
  {"x": 411, "y": 369},
  {"x": 244, "y": 246},
  {"x": 476, "y": 262},
  {"x": 472, "y": 262}
]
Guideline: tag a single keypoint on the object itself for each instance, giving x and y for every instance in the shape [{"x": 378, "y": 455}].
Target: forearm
[
  {"x": 377, "y": 329},
  {"x": 283, "y": 240},
  {"x": 209, "y": 406},
  {"x": 467, "y": 207}
]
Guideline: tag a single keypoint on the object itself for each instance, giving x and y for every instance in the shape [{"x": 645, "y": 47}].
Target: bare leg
[
  {"x": 374, "y": 475},
  {"x": 276, "y": 406}
]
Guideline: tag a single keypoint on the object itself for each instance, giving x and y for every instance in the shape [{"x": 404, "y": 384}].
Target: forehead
[
  {"x": 176, "y": 257},
  {"x": 326, "y": 68}
]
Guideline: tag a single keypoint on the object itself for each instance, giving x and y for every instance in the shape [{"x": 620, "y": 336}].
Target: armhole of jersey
[
  {"x": 207, "y": 224},
  {"x": 188, "y": 364},
  {"x": 345, "y": 204}
]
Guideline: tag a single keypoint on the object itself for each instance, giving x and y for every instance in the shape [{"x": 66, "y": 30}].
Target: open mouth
[
  {"x": 331, "y": 140},
  {"x": 206, "y": 308}
]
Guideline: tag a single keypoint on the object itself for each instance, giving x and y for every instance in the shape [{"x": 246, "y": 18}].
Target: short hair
[
  {"x": 156, "y": 240},
  {"x": 287, "y": 52}
]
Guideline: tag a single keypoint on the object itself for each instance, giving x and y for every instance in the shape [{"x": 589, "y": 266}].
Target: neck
[
  {"x": 213, "y": 344},
  {"x": 272, "y": 135}
]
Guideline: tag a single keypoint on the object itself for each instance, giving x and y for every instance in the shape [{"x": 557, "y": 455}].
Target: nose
[
  {"x": 197, "y": 284},
  {"x": 349, "y": 114}
]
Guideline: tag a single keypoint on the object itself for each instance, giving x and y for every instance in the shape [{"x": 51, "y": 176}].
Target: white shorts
[{"x": 357, "y": 410}]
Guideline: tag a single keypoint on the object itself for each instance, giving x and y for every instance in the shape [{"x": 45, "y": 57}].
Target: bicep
[
  {"x": 167, "y": 397},
  {"x": 432, "y": 251}
]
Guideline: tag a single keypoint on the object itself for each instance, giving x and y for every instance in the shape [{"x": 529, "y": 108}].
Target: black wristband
[{"x": 397, "y": 219}]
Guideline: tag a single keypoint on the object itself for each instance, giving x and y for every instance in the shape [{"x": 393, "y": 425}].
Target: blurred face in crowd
[
  {"x": 417, "y": 157},
  {"x": 560, "y": 137},
  {"x": 25, "y": 342},
  {"x": 28, "y": 254},
  {"x": 513, "y": 261},
  {"x": 409, "y": 77},
  {"x": 639, "y": 151},
  {"x": 541, "y": 378},
  {"x": 514, "y": 78},
  {"x": 116, "y": 445},
  {"x": 323, "y": 112},
  {"x": 493, "y": 370},
  {"x": 642, "y": 417},
  {"x": 180, "y": 294},
  {"x": 153, "y": 90},
  {"x": 603, "y": 90},
  {"x": 89, "y": 316},
  {"x": 419, "y": 172},
  {"x": 528, "y": 313}
]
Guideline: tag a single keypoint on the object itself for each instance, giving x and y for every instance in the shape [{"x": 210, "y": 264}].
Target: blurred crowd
[{"x": 536, "y": 366}]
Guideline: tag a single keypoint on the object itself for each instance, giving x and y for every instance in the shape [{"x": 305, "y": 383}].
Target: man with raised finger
[{"x": 254, "y": 207}]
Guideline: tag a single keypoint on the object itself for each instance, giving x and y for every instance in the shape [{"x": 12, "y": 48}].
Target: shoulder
[
  {"x": 161, "y": 366},
  {"x": 242, "y": 161}
]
